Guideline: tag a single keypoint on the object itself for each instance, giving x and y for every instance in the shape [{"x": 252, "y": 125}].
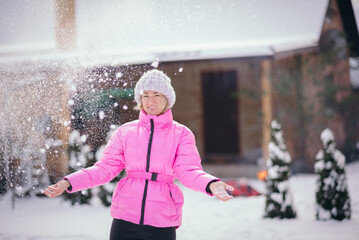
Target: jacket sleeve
[
  {"x": 187, "y": 165},
  {"x": 110, "y": 164}
]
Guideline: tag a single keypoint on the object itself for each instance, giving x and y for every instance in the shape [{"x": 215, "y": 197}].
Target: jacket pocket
[
  {"x": 176, "y": 194},
  {"x": 115, "y": 196},
  {"x": 177, "y": 198}
]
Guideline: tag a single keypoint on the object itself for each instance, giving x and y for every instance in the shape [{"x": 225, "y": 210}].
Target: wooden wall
[{"x": 189, "y": 105}]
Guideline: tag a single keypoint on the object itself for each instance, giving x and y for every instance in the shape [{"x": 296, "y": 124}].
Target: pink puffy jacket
[{"x": 154, "y": 150}]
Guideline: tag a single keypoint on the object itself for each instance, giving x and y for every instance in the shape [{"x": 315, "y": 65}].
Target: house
[{"x": 235, "y": 66}]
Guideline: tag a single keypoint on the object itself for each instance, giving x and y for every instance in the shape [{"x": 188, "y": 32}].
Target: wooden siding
[{"x": 189, "y": 105}]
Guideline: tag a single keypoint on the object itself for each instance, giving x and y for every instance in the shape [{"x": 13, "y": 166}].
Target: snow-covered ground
[{"x": 204, "y": 217}]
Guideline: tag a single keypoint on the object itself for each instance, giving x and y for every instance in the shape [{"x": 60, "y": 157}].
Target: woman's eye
[{"x": 157, "y": 95}]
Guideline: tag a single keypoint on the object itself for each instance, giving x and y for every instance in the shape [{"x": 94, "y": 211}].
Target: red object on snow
[{"x": 241, "y": 189}]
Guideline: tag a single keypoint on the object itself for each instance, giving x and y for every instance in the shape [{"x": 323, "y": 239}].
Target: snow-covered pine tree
[
  {"x": 279, "y": 202},
  {"x": 28, "y": 174},
  {"x": 80, "y": 155},
  {"x": 332, "y": 196}
]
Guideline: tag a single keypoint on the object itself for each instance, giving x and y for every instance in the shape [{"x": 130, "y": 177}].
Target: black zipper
[{"x": 147, "y": 170}]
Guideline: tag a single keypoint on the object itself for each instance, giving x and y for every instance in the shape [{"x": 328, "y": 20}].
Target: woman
[{"x": 154, "y": 150}]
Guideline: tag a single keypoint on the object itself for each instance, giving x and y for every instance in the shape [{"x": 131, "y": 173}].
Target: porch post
[
  {"x": 65, "y": 25},
  {"x": 65, "y": 28},
  {"x": 266, "y": 75}
]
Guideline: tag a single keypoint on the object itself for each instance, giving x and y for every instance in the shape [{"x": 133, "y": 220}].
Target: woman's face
[{"x": 154, "y": 103}]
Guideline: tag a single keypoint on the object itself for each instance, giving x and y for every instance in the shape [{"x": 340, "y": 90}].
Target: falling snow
[
  {"x": 155, "y": 64},
  {"x": 101, "y": 115},
  {"x": 119, "y": 75}
]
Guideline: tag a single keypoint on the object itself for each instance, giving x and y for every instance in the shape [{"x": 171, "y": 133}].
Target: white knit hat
[{"x": 155, "y": 80}]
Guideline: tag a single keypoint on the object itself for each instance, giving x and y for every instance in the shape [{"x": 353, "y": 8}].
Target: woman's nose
[{"x": 151, "y": 100}]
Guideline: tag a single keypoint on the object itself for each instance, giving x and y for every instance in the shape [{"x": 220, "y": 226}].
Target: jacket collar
[{"x": 159, "y": 121}]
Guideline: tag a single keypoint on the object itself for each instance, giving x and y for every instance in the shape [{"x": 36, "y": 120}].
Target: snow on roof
[
  {"x": 354, "y": 72},
  {"x": 140, "y": 30},
  {"x": 209, "y": 27},
  {"x": 355, "y": 4},
  {"x": 27, "y": 25},
  {"x": 354, "y": 62}
]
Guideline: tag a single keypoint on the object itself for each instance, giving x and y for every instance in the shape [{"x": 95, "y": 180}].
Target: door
[{"x": 220, "y": 106}]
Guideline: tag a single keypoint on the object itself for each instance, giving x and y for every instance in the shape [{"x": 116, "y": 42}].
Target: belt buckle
[{"x": 154, "y": 176}]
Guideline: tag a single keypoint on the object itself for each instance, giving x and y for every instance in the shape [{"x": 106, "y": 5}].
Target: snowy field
[{"x": 204, "y": 217}]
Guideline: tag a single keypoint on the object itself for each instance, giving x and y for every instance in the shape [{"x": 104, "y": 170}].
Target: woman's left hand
[{"x": 218, "y": 189}]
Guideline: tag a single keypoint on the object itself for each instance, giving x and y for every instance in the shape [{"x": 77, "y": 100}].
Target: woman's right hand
[
  {"x": 57, "y": 189},
  {"x": 218, "y": 189}
]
